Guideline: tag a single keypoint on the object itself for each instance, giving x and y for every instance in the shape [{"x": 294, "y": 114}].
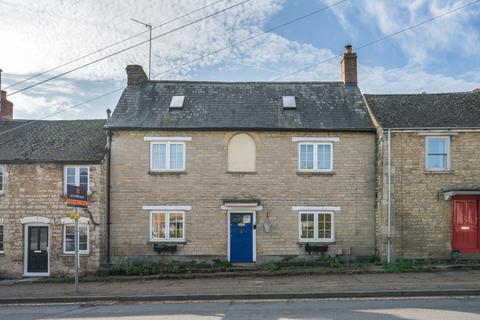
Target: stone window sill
[
  {"x": 166, "y": 173},
  {"x": 73, "y": 254},
  {"x": 316, "y": 242},
  {"x": 439, "y": 172},
  {"x": 241, "y": 173},
  {"x": 172, "y": 242},
  {"x": 315, "y": 173}
]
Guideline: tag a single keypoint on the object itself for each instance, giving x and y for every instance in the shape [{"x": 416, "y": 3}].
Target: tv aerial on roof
[{"x": 149, "y": 26}]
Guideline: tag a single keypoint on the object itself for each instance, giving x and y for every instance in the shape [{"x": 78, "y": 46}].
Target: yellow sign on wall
[{"x": 74, "y": 216}]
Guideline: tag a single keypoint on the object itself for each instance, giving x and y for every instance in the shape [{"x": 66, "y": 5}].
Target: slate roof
[
  {"x": 52, "y": 141},
  {"x": 241, "y": 105},
  {"x": 439, "y": 110}
]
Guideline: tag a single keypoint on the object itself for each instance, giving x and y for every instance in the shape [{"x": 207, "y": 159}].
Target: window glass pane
[
  {"x": 84, "y": 177},
  {"x": 159, "y": 156},
  {"x": 1, "y": 238},
  {"x": 176, "y": 156},
  {"x": 437, "y": 161},
  {"x": 321, "y": 226},
  {"x": 158, "y": 225},
  {"x": 324, "y": 226},
  {"x": 83, "y": 245},
  {"x": 1, "y": 179},
  {"x": 307, "y": 226},
  {"x": 323, "y": 156},
  {"x": 176, "y": 225},
  {"x": 33, "y": 234},
  {"x": 436, "y": 146},
  {"x": 71, "y": 176},
  {"x": 306, "y": 156},
  {"x": 70, "y": 238}
]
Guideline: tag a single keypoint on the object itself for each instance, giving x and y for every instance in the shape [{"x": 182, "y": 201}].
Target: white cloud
[
  {"x": 451, "y": 33},
  {"x": 43, "y": 34}
]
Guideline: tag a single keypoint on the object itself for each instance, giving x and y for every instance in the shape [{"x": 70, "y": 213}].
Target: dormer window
[
  {"x": 289, "y": 102},
  {"x": 177, "y": 102}
]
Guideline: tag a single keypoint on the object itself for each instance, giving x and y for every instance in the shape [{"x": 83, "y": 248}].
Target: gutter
[
  {"x": 109, "y": 157},
  {"x": 114, "y": 128},
  {"x": 435, "y": 129},
  {"x": 389, "y": 197}
]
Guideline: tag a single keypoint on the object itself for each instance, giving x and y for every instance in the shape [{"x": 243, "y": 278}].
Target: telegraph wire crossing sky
[{"x": 436, "y": 57}]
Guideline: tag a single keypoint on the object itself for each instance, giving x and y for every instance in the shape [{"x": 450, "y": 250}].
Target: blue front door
[{"x": 241, "y": 237}]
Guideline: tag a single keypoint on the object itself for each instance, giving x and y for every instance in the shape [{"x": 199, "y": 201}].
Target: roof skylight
[
  {"x": 289, "y": 102},
  {"x": 177, "y": 102}
]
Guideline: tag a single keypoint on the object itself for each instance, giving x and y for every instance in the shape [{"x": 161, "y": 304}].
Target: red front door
[{"x": 465, "y": 225}]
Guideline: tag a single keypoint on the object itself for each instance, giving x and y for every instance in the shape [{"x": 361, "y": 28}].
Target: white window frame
[
  {"x": 315, "y": 227},
  {"x": 447, "y": 140},
  {"x": 2, "y": 180},
  {"x": 167, "y": 156},
  {"x": 315, "y": 156},
  {"x": 77, "y": 177},
  {"x": 65, "y": 238},
  {"x": 3, "y": 238},
  {"x": 167, "y": 226}
]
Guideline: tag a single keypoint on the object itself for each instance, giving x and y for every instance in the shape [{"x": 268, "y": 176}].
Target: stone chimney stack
[
  {"x": 135, "y": 75},
  {"x": 6, "y": 107},
  {"x": 349, "y": 66}
]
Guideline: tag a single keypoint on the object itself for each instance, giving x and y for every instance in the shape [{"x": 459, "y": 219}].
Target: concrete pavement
[{"x": 465, "y": 282}]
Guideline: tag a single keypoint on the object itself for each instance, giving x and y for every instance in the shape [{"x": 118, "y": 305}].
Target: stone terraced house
[
  {"x": 429, "y": 155},
  {"x": 37, "y": 160},
  {"x": 241, "y": 171},
  {"x": 246, "y": 172}
]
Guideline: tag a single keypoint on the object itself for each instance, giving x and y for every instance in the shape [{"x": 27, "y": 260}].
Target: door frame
[
  {"x": 466, "y": 197},
  {"x": 254, "y": 232},
  {"x": 25, "y": 250}
]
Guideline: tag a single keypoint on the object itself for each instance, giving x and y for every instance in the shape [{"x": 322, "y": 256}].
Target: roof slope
[
  {"x": 440, "y": 110},
  {"x": 52, "y": 141},
  {"x": 241, "y": 105}
]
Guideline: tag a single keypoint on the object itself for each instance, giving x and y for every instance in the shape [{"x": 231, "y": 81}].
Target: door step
[
  {"x": 244, "y": 266},
  {"x": 468, "y": 256}
]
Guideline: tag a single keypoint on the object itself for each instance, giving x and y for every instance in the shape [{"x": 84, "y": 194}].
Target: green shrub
[
  {"x": 173, "y": 267},
  {"x": 399, "y": 266},
  {"x": 271, "y": 266}
]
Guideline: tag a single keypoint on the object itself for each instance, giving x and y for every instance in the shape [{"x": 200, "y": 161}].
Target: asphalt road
[{"x": 460, "y": 308}]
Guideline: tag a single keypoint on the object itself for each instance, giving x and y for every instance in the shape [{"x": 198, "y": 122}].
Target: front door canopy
[
  {"x": 448, "y": 194},
  {"x": 240, "y": 205}
]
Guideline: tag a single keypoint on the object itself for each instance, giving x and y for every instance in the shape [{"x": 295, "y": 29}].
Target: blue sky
[{"x": 437, "y": 57}]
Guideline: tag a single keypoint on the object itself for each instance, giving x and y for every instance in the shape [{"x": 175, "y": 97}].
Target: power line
[
  {"x": 128, "y": 48},
  {"x": 324, "y": 61},
  {"x": 112, "y": 45},
  {"x": 380, "y": 39},
  {"x": 202, "y": 57},
  {"x": 61, "y": 111},
  {"x": 252, "y": 37}
]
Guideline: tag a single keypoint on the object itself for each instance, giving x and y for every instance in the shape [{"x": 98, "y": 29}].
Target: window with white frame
[
  {"x": 167, "y": 225},
  {"x": 437, "y": 153},
  {"x": 77, "y": 176},
  {"x": 315, "y": 156},
  {"x": 69, "y": 238},
  {"x": 2, "y": 179},
  {"x": 1, "y": 238},
  {"x": 167, "y": 156},
  {"x": 316, "y": 226}
]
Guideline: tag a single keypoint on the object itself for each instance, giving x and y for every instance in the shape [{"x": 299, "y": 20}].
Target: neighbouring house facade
[
  {"x": 428, "y": 174},
  {"x": 37, "y": 160},
  {"x": 241, "y": 171}
]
